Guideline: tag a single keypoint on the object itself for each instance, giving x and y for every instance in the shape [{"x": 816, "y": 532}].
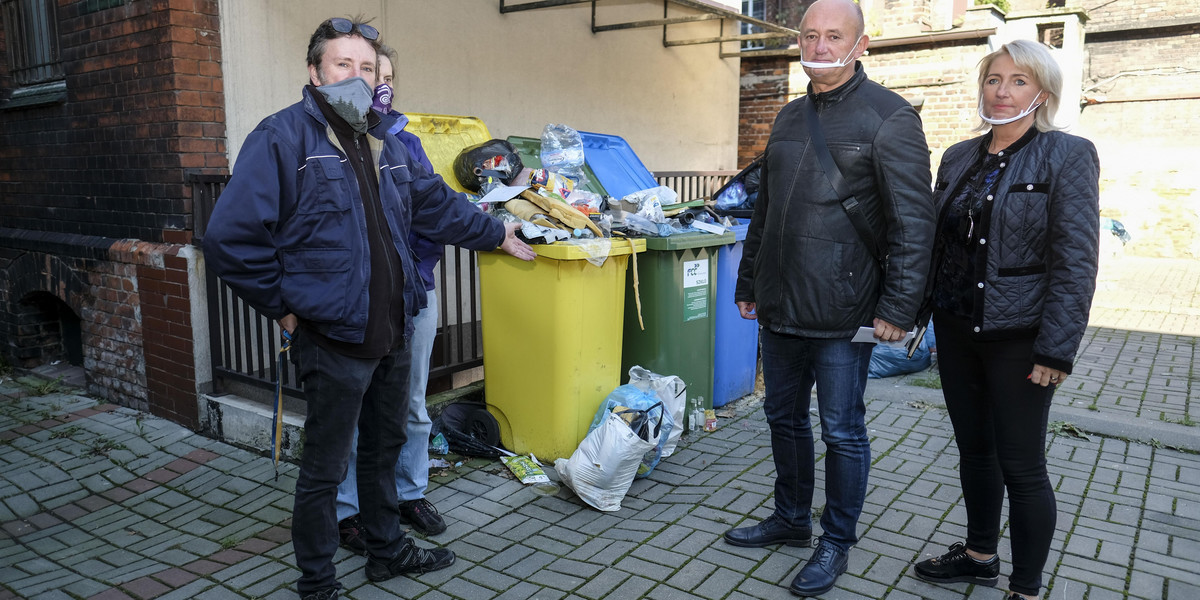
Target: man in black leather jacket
[{"x": 812, "y": 281}]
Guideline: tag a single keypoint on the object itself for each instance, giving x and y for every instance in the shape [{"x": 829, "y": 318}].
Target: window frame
[
  {"x": 758, "y": 10},
  {"x": 33, "y": 53}
]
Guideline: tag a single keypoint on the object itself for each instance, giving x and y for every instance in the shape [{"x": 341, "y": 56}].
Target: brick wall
[
  {"x": 764, "y": 90},
  {"x": 900, "y": 18},
  {"x": 1121, "y": 14},
  {"x": 1141, "y": 73},
  {"x": 942, "y": 80},
  {"x": 144, "y": 106},
  {"x": 95, "y": 208},
  {"x": 1142, "y": 84}
]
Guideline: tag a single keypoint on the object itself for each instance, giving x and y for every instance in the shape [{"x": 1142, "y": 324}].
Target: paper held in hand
[{"x": 867, "y": 334}]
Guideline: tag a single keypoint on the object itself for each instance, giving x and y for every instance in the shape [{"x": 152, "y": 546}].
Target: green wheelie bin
[{"x": 677, "y": 281}]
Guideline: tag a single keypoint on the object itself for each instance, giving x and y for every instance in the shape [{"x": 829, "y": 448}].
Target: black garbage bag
[
  {"x": 469, "y": 430},
  {"x": 737, "y": 197},
  {"x": 494, "y": 158}
]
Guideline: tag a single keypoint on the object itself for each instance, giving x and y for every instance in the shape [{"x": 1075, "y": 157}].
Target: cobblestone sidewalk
[{"x": 102, "y": 502}]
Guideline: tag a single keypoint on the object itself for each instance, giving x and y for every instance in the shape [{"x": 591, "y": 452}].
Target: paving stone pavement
[
  {"x": 103, "y": 502},
  {"x": 98, "y": 501}
]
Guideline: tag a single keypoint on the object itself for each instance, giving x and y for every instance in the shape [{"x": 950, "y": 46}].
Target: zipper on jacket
[{"x": 380, "y": 221}]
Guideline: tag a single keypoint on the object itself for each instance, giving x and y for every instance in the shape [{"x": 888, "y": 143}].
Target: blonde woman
[{"x": 1013, "y": 272}]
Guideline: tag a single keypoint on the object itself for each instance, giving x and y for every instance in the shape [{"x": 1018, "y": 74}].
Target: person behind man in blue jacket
[
  {"x": 412, "y": 469},
  {"x": 313, "y": 230}
]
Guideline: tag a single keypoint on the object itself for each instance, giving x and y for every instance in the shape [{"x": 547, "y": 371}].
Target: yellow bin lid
[
  {"x": 445, "y": 136},
  {"x": 569, "y": 251}
]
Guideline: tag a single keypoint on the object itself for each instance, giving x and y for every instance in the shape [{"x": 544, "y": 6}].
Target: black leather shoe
[
  {"x": 821, "y": 571},
  {"x": 422, "y": 516},
  {"x": 768, "y": 532},
  {"x": 956, "y": 565},
  {"x": 410, "y": 559}
]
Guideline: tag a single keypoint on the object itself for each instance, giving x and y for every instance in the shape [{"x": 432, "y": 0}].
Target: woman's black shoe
[{"x": 956, "y": 565}]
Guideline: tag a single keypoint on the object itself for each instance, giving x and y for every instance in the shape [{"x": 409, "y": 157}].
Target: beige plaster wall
[{"x": 677, "y": 107}]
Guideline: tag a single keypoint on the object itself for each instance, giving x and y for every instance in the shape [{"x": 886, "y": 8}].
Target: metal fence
[
  {"x": 694, "y": 185},
  {"x": 244, "y": 344}
]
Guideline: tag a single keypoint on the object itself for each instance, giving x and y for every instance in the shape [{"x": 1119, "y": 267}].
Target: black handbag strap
[{"x": 875, "y": 245}]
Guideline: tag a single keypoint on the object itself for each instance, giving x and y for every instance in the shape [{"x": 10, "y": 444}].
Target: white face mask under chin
[
  {"x": 1032, "y": 107},
  {"x": 845, "y": 60}
]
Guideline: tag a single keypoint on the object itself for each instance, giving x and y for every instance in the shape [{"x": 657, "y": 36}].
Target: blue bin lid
[
  {"x": 740, "y": 231},
  {"x": 615, "y": 164}
]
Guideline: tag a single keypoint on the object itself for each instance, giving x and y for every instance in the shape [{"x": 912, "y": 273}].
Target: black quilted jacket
[
  {"x": 1042, "y": 241},
  {"x": 803, "y": 265}
]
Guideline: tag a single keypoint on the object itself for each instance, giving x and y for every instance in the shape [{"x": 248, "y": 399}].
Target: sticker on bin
[
  {"x": 695, "y": 272},
  {"x": 695, "y": 290}
]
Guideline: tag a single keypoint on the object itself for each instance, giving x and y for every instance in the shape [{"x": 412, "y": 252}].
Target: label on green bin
[{"x": 695, "y": 290}]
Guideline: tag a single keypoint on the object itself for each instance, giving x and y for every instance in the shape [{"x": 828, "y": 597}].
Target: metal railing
[
  {"x": 244, "y": 343},
  {"x": 694, "y": 185}
]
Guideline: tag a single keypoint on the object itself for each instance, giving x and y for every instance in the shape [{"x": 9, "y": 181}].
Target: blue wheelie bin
[{"x": 735, "y": 357}]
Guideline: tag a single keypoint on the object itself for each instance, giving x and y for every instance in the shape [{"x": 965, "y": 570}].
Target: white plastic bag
[
  {"x": 601, "y": 469},
  {"x": 672, "y": 391},
  {"x": 632, "y": 397}
]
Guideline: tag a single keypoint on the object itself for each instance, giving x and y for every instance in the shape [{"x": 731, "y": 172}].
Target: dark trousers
[
  {"x": 1000, "y": 420},
  {"x": 341, "y": 392},
  {"x": 791, "y": 366}
]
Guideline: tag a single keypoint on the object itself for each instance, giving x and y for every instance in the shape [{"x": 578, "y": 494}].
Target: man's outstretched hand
[{"x": 514, "y": 246}]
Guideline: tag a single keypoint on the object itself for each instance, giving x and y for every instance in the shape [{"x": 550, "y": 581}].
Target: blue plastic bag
[
  {"x": 889, "y": 361},
  {"x": 631, "y": 396},
  {"x": 732, "y": 196}
]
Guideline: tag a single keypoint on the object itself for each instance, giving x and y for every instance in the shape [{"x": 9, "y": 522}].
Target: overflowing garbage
[
  {"x": 635, "y": 427},
  {"x": 577, "y": 194},
  {"x": 552, "y": 195},
  {"x": 627, "y": 439}
]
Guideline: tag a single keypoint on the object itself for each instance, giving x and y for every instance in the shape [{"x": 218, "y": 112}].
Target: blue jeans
[
  {"x": 412, "y": 469},
  {"x": 791, "y": 365},
  {"x": 341, "y": 392}
]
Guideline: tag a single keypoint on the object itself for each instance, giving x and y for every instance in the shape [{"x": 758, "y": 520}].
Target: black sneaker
[
  {"x": 422, "y": 516},
  {"x": 410, "y": 559},
  {"x": 325, "y": 594},
  {"x": 350, "y": 535},
  {"x": 956, "y": 565}
]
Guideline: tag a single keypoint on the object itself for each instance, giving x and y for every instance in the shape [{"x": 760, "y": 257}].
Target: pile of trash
[
  {"x": 635, "y": 427},
  {"x": 552, "y": 203}
]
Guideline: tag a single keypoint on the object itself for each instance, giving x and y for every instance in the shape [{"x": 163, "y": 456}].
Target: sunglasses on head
[{"x": 341, "y": 25}]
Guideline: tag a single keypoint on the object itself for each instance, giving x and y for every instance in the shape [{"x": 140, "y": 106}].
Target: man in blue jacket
[{"x": 313, "y": 230}]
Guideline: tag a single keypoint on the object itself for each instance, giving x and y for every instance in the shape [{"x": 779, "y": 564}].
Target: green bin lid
[{"x": 683, "y": 241}]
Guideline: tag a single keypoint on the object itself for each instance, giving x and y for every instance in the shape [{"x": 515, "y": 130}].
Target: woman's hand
[{"x": 1045, "y": 376}]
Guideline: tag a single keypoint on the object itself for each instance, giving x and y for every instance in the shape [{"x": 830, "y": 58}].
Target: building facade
[
  {"x": 1131, "y": 74},
  {"x": 111, "y": 110}
]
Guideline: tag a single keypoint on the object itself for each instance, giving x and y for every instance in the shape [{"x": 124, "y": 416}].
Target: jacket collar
[
  {"x": 395, "y": 122},
  {"x": 839, "y": 93},
  {"x": 986, "y": 141}
]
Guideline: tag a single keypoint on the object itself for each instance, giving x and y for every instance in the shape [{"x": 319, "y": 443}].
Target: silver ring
[{"x": 1054, "y": 379}]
